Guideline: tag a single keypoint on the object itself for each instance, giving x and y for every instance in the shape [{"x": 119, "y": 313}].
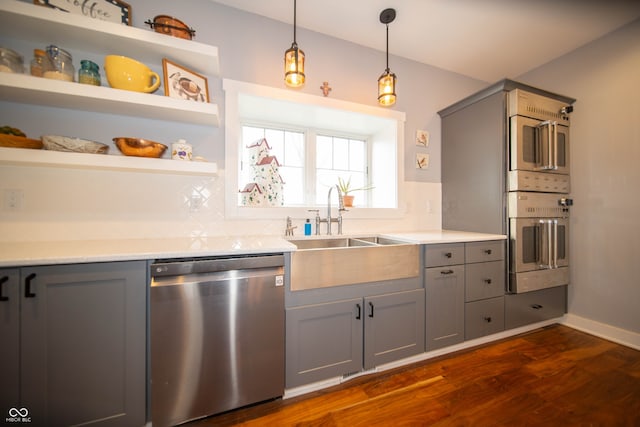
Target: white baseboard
[{"x": 603, "y": 330}]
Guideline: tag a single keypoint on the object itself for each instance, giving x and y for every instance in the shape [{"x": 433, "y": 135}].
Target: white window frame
[
  {"x": 310, "y": 144},
  {"x": 389, "y": 123}
]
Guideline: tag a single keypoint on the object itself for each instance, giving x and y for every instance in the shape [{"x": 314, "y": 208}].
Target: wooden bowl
[
  {"x": 139, "y": 147},
  {"x": 171, "y": 26},
  {"x": 15, "y": 141}
]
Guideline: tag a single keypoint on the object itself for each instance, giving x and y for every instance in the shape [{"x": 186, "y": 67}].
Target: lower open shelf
[{"x": 46, "y": 158}]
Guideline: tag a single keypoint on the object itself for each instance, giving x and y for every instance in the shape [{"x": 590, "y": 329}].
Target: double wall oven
[{"x": 538, "y": 184}]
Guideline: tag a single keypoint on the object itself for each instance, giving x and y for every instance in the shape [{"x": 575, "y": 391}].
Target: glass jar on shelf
[
  {"x": 37, "y": 63},
  {"x": 58, "y": 64},
  {"x": 11, "y": 61},
  {"x": 89, "y": 73}
]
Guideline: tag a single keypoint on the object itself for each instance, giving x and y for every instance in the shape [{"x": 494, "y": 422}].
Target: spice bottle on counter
[
  {"x": 37, "y": 63},
  {"x": 89, "y": 73}
]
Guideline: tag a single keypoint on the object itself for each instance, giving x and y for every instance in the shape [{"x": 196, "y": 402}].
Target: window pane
[
  {"x": 324, "y": 152},
  {"x": 294, "y": 149},
  {"x": 357, "y": 159},
  {"x": 340, "y": 153},
  {"x": 293, "y": 185}
]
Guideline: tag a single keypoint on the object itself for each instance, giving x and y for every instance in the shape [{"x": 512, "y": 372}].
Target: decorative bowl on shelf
[
  {"x": 171, "y": 26},
  {"x": 139, "y": 147},
  {"x": 16, "y": 141},
  {"x": 75, "y": 145}
]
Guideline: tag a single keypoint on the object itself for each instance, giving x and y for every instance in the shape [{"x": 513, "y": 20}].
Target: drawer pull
[
  {"x": 487, "y": 251},
  {"x": 487, "y": 319},
  {"x": 359, "y": 315},
  {"x": 27, "y": 286},
  {"x": 446, "y": 272},
  {"x": 487, "y": 281},
  {"x": 448, "y": 254},
  {"x": 371, "y": 309},
  {"x": 536, "y": 306},
  {"x": 2, "y": 281}
]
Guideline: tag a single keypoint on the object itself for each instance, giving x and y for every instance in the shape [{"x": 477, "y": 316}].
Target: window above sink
[{"x": 375, "y": 134}]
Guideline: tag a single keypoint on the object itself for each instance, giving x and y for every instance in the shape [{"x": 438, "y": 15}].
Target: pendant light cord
[
  {"x": 387, "y": 70},
  {"x": 294, "y": 23}
]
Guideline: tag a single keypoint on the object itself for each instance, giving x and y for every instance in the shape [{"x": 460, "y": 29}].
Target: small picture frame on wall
[
  {"x": 422, "y": 161},
  {"x": 115, "y": 11},
  {"x": 422, "y": 138},
  {"x": 180, "y": 82}
]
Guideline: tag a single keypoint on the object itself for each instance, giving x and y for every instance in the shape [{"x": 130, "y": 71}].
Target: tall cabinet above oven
[{"x": 505, "y": 170}]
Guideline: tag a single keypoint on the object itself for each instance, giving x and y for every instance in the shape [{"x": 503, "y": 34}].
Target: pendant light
[
  {"x": 294, "y": 60},
  {"x": 387, "y": 81}
]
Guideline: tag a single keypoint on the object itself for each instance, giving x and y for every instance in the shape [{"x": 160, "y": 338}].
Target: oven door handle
[
  {"x": 545, "y": 151},
  {"x": 545, "y": 244},
  {"x": 555, "y": 146},
  {"x": 555, "y": 243}
]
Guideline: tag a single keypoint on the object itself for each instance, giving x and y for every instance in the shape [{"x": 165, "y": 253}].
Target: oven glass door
[
  {"x": 541, "y": 146},
  {"x": 539, "y": 243}
]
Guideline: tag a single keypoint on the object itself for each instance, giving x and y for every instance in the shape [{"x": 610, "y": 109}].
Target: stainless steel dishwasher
[{"x": 217, "y": 335}]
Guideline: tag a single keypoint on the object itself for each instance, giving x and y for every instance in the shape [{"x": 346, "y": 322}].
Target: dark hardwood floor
[{"x": 555, "y": 376}]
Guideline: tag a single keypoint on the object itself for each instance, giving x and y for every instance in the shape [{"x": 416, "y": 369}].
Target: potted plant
[{"x": 345, "y": 189}]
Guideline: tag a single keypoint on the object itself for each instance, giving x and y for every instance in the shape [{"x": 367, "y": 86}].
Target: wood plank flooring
[{"x": 555, "y": 376}]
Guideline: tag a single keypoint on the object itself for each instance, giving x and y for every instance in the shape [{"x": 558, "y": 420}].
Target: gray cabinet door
[
  {"x": 9, "y": 340},
  {"x": 445, "y": 306},
  {"x": 323, "y": 341},
  {"x": 83, "y": 344},
  {"x": 394, "y": 327}
]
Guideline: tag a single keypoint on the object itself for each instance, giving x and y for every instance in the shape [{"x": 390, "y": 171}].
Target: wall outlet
[{"x": 12, "y": 199}]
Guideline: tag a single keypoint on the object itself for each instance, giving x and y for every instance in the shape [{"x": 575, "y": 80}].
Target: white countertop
[
  {"x": 17, "y": 254},
  {"x": 444, "y": 236},
  {"x": 80, "y": 251}
]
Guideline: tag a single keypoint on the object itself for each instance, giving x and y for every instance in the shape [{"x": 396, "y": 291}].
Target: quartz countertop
[
  {"x": 14, "y": 254},
  {"x": 18, "y": 254},
  {"x": 443, "y": 236}
]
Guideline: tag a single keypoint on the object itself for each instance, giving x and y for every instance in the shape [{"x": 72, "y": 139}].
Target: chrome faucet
[{"x": 329, "y": 219}]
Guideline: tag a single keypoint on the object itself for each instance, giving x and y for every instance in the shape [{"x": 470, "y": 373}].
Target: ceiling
[{"x": 483, "y": 39}]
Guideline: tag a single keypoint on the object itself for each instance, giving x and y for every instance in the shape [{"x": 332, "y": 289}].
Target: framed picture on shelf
[
  {"x": 180, "y": 82},
  {"x": 115, "y": 11}
]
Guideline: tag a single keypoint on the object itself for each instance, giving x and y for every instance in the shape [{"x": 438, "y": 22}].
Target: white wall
[
  {"x": 61, "y": 204},
  {"x": 604, "y": 77}
]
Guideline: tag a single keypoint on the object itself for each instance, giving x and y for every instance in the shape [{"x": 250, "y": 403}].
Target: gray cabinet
[
  {"x": 537, "y": 306},
  {"x": 444, "y": 288},
  {"x": 485, "y": 276},
  {"x": 465, "y": 285},
  {"x": 81, "y": 343},
  {"x": 344, "y": 337}
]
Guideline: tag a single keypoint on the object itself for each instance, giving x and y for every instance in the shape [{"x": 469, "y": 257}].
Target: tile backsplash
[{"x": 70, "y": 204}]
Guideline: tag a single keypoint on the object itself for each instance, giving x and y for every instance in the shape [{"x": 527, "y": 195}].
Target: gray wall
[
  {"x": 604, "y": 76},
  {"x": 252, "y": 49}
]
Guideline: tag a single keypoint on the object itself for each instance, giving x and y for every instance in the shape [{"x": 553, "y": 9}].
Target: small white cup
[{"x": 181, "y": 150}]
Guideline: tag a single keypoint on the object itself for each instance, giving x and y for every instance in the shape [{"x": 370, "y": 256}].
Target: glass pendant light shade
[
  {"x": 294, "y": 66},
  {"x": 387, "y": 89}
]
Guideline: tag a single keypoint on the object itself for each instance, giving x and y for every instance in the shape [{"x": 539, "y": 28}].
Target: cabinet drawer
[
  {"x": 484, "y": 251},
  {"x": 536, "y": 306},
  {"x": 484, "y": 280},
  {"x": 484, "y": 317},
  {"x": 444, "y": 254}
]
